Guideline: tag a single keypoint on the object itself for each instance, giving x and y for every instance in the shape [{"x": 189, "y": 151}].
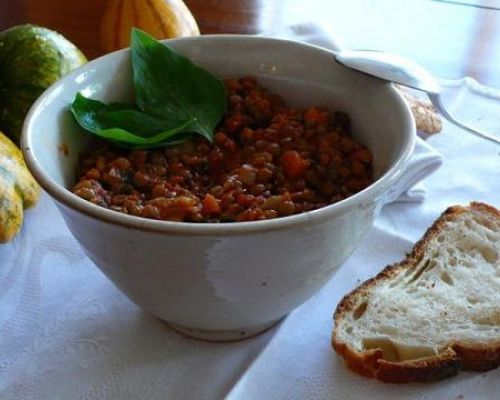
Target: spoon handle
[
  {"x": 389, "y": 67},
  {"x": 393, "y": 68},
  {"x": 438, "y": 104}
]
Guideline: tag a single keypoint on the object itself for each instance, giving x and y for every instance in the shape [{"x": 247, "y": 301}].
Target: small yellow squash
[
  {"x": 162, "y": 19},
  {"x": 18, "y": 189}
]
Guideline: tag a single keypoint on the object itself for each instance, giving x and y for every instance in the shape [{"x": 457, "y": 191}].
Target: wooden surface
[{"x": 452, "y": 39}]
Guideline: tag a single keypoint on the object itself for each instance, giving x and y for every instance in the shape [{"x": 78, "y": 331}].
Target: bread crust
[{"x": 457, "y": 355}]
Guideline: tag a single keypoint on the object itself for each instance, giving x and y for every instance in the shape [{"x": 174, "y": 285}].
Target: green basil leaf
[
  {"x": 174, "y": 99},
  {"x": 124, "y": 125},
  {"x": 129, "y": 140},
  {"x": 138, "y": 122},
  {"x": 170, "y": 85}
]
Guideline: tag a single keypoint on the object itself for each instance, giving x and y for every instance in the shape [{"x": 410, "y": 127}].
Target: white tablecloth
[{"x": 67, "y": 333}]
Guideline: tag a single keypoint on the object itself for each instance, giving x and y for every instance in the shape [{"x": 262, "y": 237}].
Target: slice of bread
[{"x": 434, "y": 313}]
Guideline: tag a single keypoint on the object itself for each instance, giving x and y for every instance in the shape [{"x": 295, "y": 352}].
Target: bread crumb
[{"x": 426, "y": 117}]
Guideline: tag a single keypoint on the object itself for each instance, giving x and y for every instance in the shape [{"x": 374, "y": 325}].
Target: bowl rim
[{"x": 65, "y": 197}]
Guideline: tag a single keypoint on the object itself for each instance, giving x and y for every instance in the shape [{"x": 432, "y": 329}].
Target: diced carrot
[
  {"x": 293, "y": 164},
  {"x": 210, "y": 205},
  {"x": 316, "y": 116}
]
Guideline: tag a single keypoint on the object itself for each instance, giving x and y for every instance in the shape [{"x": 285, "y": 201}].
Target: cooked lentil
[{"x": 267, "y": 160}]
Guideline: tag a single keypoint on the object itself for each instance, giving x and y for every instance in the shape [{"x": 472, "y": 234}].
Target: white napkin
[
  {"x": 425, "y": 159},
  {"x": 299, "y": 362},
  {"x": 67, "y": 333}
]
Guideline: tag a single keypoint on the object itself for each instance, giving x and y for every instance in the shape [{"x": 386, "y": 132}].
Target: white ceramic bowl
[{"x": 224, "y": 281}]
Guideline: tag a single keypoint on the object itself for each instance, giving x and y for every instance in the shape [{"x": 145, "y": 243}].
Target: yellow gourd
[
  {"x": 162, "y": 19},
  {"x": 18, "y": 189}
]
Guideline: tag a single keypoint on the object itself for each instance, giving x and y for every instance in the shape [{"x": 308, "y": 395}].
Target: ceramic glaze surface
[{"x": 216, "y": 281}]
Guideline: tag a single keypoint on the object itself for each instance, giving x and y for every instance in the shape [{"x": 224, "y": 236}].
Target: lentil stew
[{"x": 267, "y": 160}]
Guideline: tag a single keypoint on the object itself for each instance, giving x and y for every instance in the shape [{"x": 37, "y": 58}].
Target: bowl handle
[{"x": 423, "y": 162}]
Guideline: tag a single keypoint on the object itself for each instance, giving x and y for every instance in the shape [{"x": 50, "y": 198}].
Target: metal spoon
[{"x": 397, "y": 69}]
